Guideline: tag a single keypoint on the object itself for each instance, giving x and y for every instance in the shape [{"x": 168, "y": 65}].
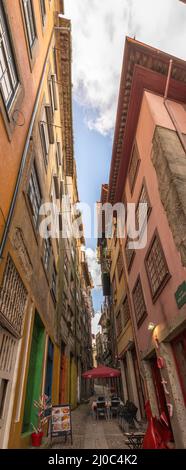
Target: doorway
[
  {"x": 62, "y": 375},
  {"x": 34, "y": 381},
  {"x": 160, "y": 394},
  {"x": 49, "y": 369}
]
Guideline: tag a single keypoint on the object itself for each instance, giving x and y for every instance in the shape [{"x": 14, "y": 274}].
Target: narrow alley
[
  {"x": 91, "y": 433},
  {"x": 92, "y": 224}
]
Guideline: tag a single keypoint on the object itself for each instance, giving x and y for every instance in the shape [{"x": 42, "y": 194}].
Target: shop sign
[{"x": 180, "y": 295}]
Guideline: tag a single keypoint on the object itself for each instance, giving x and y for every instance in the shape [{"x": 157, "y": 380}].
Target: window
[
  {"x": 30, "y": 22},
  {"x": 13, "y": 296},
  {"x": 143, "y": 198},
  {"x": 129, "y": 254},
  {"x": 43, "y": 11},
  {"x": 53, "y": 93},
  {"x": 54, "y": 282},
  {"x": 118, "y": 323},
  {"x": 34, "y": 195},
  {"x": 44, "y": 136},
  {"x": 133, "y": 167},
  {"x": 156, "y": 267},
  {"x": 7, "y": 364},
  {"x": 8, "y": 73},
  {"x": 139, "y": 303},
  {"x": 56, "y": 186},
  {"x": 126, "y": 311},
  {"x": 59, "y": 154},
  {"x": 120, "y": 265},
  {"x": 46, "y": 253},
  {"x": 55, "y": 61}
]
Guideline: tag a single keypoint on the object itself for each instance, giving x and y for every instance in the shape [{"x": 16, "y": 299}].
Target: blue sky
[{"x": 93, "y": 154}]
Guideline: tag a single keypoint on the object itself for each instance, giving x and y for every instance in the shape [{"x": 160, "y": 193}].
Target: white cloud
[
  {"x": 94, "y": 268},
  {"x": 99, "y": 29},
  {"x": 95, "y": 321}
]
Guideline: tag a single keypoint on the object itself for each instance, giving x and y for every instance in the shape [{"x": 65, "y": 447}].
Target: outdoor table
[
  {"x": 108, "y": 406},
  {"x": 134, "y": 439}
]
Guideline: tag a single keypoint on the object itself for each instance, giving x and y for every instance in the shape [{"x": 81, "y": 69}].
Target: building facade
[
  {"x": 148, "y": 166},
  {"x": 36, "y": 166}
]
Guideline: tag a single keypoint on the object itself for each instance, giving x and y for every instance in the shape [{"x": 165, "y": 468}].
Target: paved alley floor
[{"x": 89, "y": 433}]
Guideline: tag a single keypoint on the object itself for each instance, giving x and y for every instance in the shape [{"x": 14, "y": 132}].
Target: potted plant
[{"x": 43, "y": 405}]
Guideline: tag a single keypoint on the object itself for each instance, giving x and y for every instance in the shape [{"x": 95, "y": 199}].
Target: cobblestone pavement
[{"x": 89, "y": 433}]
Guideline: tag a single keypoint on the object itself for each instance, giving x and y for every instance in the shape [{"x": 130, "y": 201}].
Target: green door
[{"x": 34, "y": 380}]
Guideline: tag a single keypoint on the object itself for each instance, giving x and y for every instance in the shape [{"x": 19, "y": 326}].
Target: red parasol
[{"x": 101, "y": 372}]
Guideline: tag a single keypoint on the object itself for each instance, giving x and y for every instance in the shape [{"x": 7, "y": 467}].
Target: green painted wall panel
[{"x": 34, "y": 380}]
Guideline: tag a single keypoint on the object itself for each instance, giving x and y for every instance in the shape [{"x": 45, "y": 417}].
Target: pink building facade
[{"x": 149, "y": 165}]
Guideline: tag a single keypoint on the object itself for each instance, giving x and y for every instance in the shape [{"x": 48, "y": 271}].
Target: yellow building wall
[
  {"x": 125, "y": 336},
  {"x": 73, "y": 391}
]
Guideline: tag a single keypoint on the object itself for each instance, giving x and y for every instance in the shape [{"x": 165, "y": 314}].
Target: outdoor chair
[
  {"x": 101, "y": 409},
  {"x": 115, "y": 404},
  {"x": 127, "y": 415}
]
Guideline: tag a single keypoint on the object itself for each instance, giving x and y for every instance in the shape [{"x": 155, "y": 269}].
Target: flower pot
[{"x": 36, "y": 439}]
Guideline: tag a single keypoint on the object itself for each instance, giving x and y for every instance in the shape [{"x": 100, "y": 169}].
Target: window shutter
[
  {"x": 50, "y": 126},
  {"x": 56, "y": 186},
  {"x": 53, "y": 78}
]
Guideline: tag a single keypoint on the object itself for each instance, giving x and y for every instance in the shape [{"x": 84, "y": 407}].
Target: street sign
[
  {"x": 180, "y": 295},
  {"x": 61, "y": 422}
]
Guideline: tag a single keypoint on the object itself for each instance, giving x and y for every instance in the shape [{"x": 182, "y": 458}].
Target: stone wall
[{"x": 169, "y": 160}]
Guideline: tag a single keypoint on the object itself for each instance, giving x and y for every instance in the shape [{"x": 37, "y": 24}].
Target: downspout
[
  {"x": 24, "y": 156},
  {"x": 169, "y": 110}
]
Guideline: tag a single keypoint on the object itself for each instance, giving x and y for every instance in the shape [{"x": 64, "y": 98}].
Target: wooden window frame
[
  {"x": 46, "y": 253},
  {"x": 119, "y": 330},
  {"x": 145, "y": 313},
  {"x": 132, "y": 184},
  {"x": 120, "y": 268},
  {"x": 167, "y": 276},
  {"x": 43, "y": 10},
  {"x": 45, "y": 133},
  {"x": 124, "y": 320},
  {"x": 129, "y": 266},
  {"x": 10, "y": 69},
  {"x": 144, "y": 185},
  {"x": 54, "y": 293},
  {"x": 30, "y": 23},
  {"x": 34, "y": 171},
  {"x": 17, "y": 97}
]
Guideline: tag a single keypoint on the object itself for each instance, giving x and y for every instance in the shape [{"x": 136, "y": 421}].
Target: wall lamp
[{"x": 151, "y": 326}]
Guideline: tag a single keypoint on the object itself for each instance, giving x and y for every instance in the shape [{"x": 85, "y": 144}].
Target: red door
[{"x": 160, "y": 394}]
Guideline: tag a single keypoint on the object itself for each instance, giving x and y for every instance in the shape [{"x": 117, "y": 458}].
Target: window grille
[
  {"x": 13, "y": 296},
  {"x": 34, "y": 195},
  {"x": 156, "y": 266},
  {"x": 139, "y": 302}
]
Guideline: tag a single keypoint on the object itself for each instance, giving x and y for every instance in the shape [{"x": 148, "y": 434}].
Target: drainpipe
[
  {"x": 25, "y": 151},
  {"x": 169, "y": 110}
]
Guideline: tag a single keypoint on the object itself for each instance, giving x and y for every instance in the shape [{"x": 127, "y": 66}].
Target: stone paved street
[{"x": 89, "y": 433}]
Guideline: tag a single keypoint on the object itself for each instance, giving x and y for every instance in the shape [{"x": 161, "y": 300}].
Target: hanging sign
[
  {"x": 61, "y": 422},
  {"x": 180, "y": 295}
]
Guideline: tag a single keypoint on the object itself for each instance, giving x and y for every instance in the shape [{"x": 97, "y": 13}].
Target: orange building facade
[{"x": 39, "y": 327}]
